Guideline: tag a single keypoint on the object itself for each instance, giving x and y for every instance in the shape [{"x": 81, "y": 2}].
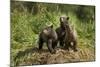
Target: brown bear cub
[
  {"x": 70, "y": 38},
  {"x": 66, "y": 34},
  {"x": 48, "y": 35},
  {"x": 61, "y": 30}
]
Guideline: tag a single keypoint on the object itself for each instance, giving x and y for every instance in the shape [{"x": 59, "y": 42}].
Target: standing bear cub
[
  {"x": 61, "y": 30},
  {"x": 67, "y": 36},
  {"x": 48, "y": 36},
  {"x": 70, "y": 38}
]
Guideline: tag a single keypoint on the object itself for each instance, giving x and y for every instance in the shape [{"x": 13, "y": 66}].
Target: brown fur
[
  {"x": 48, "y": 36},
  {"x": 70, "y": 38}
]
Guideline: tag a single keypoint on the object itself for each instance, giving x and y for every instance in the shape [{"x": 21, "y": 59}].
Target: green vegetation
[{"x": 29, "y": 18}]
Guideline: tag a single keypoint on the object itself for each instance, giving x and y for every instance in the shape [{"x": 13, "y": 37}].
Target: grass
[{"x": 25, "y": 28}]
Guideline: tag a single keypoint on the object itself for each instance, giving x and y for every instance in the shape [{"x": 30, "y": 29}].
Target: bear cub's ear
[
  {"x": 51, "y": 26},
  {"x": 67, "y": 18}
]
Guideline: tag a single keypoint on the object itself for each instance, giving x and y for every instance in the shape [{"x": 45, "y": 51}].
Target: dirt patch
[{"x": 35, "y": 57}]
